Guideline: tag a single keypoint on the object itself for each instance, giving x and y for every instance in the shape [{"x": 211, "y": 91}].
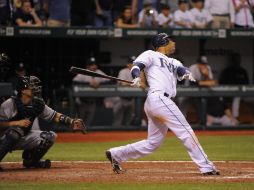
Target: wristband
[{"x": 64, "y": 119}]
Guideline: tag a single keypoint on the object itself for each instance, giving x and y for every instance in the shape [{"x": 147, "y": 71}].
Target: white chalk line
[
  {"x": 153, "y": 161},
  {"x": 221, "y": 177},
  {"x": 209, "y": 177}
]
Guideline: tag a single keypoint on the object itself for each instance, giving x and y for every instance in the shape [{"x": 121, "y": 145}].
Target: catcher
[{"x": 17, "y": 115}]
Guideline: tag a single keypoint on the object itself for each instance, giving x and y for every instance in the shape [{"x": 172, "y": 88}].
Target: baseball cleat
[
  {"x": 214, "y": 172},
  {"x": 39, "y": 164},
  {"x": 115, "y": 165}
]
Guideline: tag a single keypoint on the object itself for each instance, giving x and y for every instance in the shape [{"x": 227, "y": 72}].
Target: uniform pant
[
  {"x": 29, "y": 141},
  {"x": 163, "y": 114}
]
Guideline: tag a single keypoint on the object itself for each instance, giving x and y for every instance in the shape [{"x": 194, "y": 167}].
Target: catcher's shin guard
[
  {"x": 9, "y": 140},
  {"x": 32, "y": 158}
]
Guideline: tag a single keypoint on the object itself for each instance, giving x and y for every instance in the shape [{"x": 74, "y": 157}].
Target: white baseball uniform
[{"x": 162, "y": 113}]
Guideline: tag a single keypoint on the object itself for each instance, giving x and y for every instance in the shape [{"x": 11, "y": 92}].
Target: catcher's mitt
[{"x": 78, "y": 125}]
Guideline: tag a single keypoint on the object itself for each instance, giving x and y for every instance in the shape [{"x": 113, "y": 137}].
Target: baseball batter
[
  {"x": 17, "y": 115},
  {"x": 162, "y": 73}
]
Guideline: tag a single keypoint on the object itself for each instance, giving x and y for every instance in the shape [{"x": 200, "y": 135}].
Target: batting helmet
[{"x": 161, "y": 39}]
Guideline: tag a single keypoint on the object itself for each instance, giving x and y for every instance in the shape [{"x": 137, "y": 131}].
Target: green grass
[
  {"x": 93, "y": 186},
  {"x": 216, "y": 147}
]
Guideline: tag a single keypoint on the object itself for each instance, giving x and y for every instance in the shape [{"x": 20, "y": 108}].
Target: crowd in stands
[{"x": 128, "y": 13}]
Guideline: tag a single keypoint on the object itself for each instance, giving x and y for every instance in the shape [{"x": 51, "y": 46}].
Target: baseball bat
[{"x": 77, "y": 70}]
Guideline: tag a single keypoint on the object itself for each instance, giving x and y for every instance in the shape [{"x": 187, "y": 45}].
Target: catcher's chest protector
[{"x": 27, "y": 112}]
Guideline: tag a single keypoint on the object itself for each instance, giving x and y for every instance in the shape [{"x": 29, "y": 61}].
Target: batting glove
[
  {"x": 191, "y": 78},
  {"x": 136, "y": 82},
  {"x": 188, "y": 76}
]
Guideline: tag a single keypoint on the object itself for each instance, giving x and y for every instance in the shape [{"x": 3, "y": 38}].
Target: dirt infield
[
  {"x": 136, "y": 172},
  {"x": 130, "y": 135}
]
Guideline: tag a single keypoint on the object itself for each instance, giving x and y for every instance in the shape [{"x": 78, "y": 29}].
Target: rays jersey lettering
[
  {"x": 172, "y": 68},
  {"x": 160, "y": 71}
]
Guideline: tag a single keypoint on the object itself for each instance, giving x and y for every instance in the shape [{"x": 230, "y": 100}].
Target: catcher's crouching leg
[
  {"x": 32, "y": 157},
  {"x": 9, "y": 140}
]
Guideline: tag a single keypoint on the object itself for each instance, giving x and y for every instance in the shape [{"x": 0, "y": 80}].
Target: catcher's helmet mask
[
  {"x": 32, "y": 83},
  {"x": 161, "y": 39},
  {"x": 22, "y": 84},
  {"x": 35, "y": 84}
]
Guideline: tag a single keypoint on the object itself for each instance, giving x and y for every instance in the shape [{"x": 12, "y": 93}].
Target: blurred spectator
[
  {"x": 17, "y": 4},
  {"x": 218, "y": 111},
  {"x": 165, "y": 18},
  {"x": 5, "y": 67},
  {"x": 5, "y": 12},
  {"x": 243, "y": 15},
  {"x": 20, "y": 71},
  {"x": 237, "y": 75},
  {"x": 202, "y": 18},
  {"x": 123, "y": 107},
  {"x": 59, "y": 12},
  {"x": 172, "y": 3},
  {"x": 125, "y": 73},
  {"x": 148, "y": 16},
  {"x": 119, "y": 6},
  {"x": 82, "y": 12},
  {"x": 86, "y": 106},
  {"x": 234, "y": 73},
  {"x": 26, "y": 15},
  {"x": 126, "y": 20},
  {"x": 202, "y": 72},
  {"x": 223, "y": 13},
  {"x": 39, "y": 9},
  {"x": 156, "y": 4},
  {"x": 183, "y": 17},
  {"x": 103, "y": 13}
]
